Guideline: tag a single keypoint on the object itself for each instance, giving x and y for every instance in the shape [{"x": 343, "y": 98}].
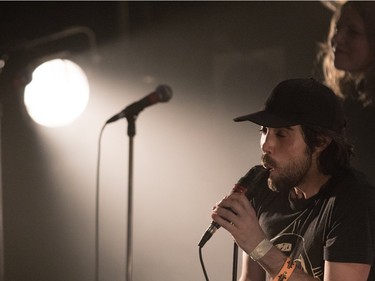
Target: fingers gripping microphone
[
  {"x": 162, "y": 93},
  {"x": 247, "y": 184},
  {"x": 214, "y": 225}
]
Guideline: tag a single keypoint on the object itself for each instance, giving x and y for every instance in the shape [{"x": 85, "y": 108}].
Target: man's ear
[{"x": 323, "y": 142}]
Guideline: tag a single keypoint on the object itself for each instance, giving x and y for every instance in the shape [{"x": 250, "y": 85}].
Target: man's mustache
[{"x": 267, "y": 161}]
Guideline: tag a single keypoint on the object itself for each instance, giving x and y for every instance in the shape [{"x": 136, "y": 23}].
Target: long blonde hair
[{"x": 343, "y": 83}]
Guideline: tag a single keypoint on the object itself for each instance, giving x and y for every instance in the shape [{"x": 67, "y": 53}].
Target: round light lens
[{"x": 57, "y": 94}]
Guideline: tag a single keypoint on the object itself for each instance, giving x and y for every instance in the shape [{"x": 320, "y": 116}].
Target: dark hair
[
  {"x": 343, "y": 83},
  {"x": 336, "y": 156}
]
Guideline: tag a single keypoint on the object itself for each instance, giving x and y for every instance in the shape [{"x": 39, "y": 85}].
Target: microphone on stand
[
  {"x": 162, "y": 93},
  {"x": 248, "y": 185}
]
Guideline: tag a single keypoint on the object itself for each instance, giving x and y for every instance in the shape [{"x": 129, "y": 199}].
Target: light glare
[{"x": 57, "y": 94}]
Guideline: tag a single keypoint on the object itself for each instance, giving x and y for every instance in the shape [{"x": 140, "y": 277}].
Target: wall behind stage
[{"x": 221, "y": 59}]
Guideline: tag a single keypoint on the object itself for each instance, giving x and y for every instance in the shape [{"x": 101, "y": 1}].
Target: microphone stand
[
  {"x": 1, "y": 204},
  {"x": 235, "y": 261},
  {"x": 131, "y": 133}
]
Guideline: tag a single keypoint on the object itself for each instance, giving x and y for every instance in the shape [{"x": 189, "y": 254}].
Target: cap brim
[{"x": 267, "y": 119}]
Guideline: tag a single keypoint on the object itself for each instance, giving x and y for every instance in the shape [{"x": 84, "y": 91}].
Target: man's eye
[{"x": 281, "y": 134}]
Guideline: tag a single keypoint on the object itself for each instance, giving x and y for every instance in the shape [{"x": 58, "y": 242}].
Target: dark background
[{"x": 220, "y": 58}]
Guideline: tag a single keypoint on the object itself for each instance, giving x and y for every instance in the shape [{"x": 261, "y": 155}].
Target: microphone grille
[
  {"x": 253, "y": 178},
  {"x": 164, "y": 92}
]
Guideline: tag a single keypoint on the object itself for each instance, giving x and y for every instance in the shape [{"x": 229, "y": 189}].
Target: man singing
[{"x": 312, "y": 216}]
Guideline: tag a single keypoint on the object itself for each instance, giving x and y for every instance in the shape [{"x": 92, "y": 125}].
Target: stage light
[
  {"x": 57, "y": 94},
  {"x": 54, "y": 89}
]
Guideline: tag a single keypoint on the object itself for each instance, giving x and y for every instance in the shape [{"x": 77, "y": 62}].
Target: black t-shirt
[{"x": 337, "y": 224}]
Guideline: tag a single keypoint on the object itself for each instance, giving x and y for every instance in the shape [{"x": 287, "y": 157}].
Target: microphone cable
[
  {"x": 96, "y": 274},
  {"x": 235, "y": 262},
  {"x": 202, "y": 264}
]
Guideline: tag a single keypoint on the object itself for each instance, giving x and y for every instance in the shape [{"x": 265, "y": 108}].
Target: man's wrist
[{"x": 261, "y": 250}]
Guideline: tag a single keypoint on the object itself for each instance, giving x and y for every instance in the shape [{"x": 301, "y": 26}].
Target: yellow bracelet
[{"x": 286, "y": 271}]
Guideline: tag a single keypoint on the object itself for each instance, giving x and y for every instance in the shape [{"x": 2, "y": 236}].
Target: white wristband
[{"x": 263, "y": 247}]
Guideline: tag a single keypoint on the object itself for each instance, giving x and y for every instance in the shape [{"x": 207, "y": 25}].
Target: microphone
[
  {"x": 247, "y": 184},
  {"x": 162, "y": 93}
]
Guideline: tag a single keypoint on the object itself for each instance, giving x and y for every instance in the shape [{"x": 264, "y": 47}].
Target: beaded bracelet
[
  {"x": 286, "y": 271},
  {"x": 263, "y": 247}
]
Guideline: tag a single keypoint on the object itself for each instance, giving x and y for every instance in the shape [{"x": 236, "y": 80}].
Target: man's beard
[{"x": 289, "y": 176}]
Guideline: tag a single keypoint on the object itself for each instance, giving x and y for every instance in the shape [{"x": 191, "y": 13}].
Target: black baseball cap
[{"x": 300, "y": 101}]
